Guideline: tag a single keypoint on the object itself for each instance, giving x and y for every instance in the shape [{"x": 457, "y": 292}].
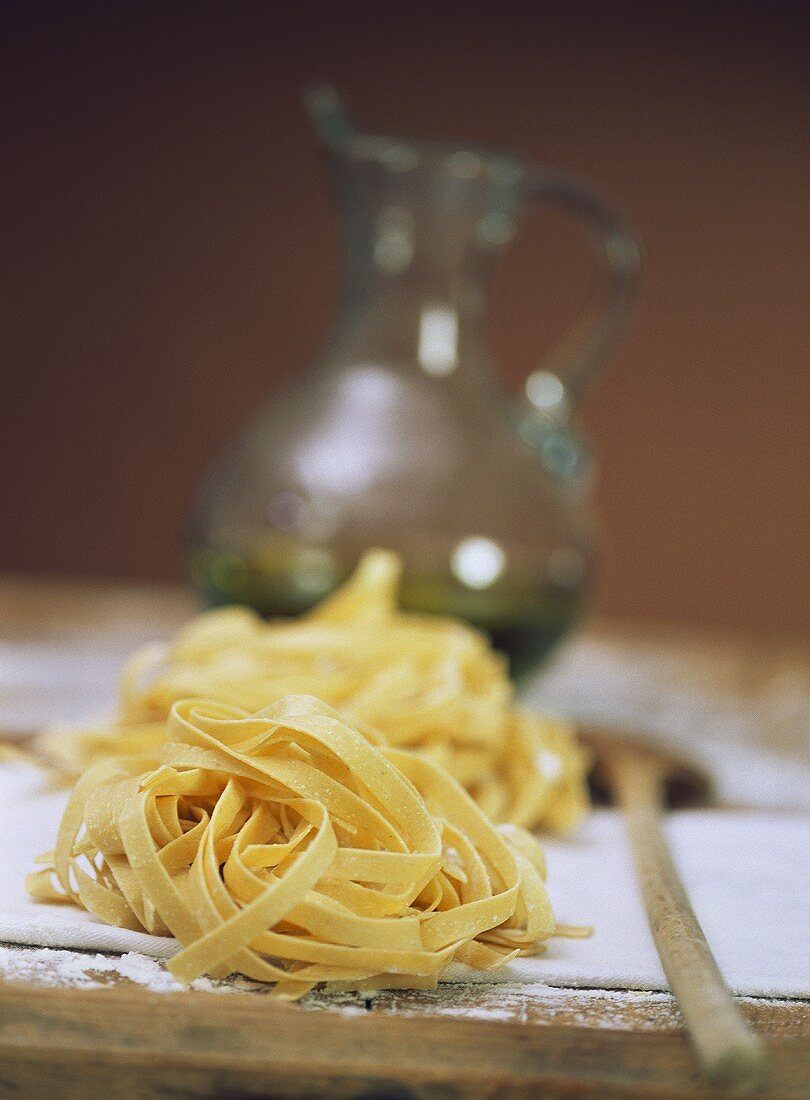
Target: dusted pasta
[
  {"x": 422, "y": 682},
  {"x": 286, "y": 846}
]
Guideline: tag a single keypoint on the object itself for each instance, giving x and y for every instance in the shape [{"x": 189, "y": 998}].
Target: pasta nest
[
  {"x": 424, "y": 682},
  {"x": 287, "y": 847}
]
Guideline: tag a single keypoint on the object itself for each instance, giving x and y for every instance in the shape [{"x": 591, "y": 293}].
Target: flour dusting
[{"x": 536, "y": 1004}]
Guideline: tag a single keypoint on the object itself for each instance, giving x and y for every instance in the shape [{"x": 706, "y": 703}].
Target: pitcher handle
[{"x": 618, "y": 253}]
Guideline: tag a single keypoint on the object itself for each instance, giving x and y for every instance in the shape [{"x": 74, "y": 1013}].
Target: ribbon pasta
[
  {"x": 422, "y": 682},
  {"x": 286, "y": 846}
]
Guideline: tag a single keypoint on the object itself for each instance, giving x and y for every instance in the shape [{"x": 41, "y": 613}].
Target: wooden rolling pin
[{"x": 729, "y": 1052}]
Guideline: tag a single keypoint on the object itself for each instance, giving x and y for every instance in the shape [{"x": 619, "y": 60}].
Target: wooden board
[{"x": 76, "y": 1043}]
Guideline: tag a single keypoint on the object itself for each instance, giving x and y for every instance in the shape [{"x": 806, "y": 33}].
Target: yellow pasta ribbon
[
  {"x": 421, "y": 682},
  {"x": 285, "y": 846}
]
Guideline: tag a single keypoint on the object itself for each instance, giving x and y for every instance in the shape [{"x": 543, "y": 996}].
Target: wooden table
[{"x": 464, "y": 1041}]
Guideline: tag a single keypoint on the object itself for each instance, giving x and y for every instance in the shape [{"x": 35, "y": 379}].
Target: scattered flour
[
  {"x": 536, "y": 1004},
  {"x": 48, "y": 966},
  {"x": 45, "y": 966},
  {"x": 81, "y": 970}
]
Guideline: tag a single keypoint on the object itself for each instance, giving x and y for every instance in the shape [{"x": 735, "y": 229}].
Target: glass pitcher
[{"x": 401, "y": 437}]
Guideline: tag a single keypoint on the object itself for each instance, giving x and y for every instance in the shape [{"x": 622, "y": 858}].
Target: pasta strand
[
  {"x": 283, "y": 845},
  {"x": 420, "y": 682}
]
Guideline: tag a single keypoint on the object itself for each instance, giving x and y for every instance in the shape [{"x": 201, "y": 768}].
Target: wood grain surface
[{"x": 80, "y": 1043}]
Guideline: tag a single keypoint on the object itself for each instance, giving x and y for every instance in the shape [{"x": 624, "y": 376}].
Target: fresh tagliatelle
[
  {"x": 284, "y": 845},
  {"x": 422, "y": 682}
]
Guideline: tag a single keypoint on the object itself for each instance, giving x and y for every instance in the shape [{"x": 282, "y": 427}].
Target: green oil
[{"x": 524, "y": 622}]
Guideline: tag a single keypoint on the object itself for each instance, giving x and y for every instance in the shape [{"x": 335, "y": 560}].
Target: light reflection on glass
[
  {"x": 352, "y": 447},
  {"x": 545, "y": 390},
  {"x": 438, "y": 340},
  {"x": 478, "y": 562},
  {"x": 369, "y": 383}
]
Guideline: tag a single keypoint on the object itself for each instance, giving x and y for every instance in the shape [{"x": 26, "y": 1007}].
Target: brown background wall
[{"x": 169, "y": 260}]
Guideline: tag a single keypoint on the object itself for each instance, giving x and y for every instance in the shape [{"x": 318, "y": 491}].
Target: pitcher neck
[
  {"x": 420, "y": 243},
  {"x": 436, "y": 326}
]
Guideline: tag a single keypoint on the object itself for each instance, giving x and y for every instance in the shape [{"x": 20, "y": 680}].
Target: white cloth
[
  {"x": 746, "y": 873},
  {"x": 652, "y": 689}
]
